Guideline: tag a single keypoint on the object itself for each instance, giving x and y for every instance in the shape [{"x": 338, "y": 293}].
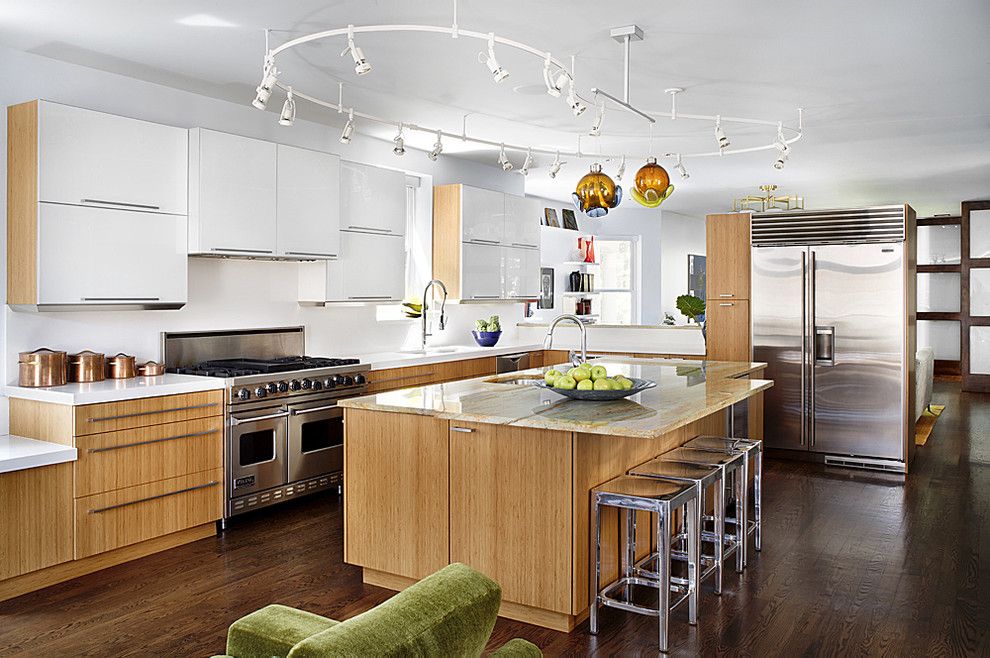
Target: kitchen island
[{"x": 497, "y": 473}]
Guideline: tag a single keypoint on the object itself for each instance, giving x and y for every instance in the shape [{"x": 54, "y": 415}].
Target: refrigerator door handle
[
  {"x": 804, "y": 346},
  {"x": 810, "y": 329}
]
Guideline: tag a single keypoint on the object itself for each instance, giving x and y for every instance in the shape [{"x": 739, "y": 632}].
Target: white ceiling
[{"x": 896, "y": 96}]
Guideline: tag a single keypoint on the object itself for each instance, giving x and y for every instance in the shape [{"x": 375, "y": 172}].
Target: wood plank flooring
[{"x": 854, "y": 563}]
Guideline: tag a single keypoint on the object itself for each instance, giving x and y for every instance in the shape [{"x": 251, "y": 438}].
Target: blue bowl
[{"x": 486, "y": 338}]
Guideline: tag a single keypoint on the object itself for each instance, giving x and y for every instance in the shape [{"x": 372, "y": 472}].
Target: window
[{"x": 617, "y": 280}]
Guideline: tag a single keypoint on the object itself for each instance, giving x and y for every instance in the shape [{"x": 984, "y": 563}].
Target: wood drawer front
[
  {"x": 394, "y": 378},
  {"x": 113, "y": 416},
  {"x": 453, "y": 370},
  {"x": 114, "y": 460},
  {"x": 127, "y": 516}
]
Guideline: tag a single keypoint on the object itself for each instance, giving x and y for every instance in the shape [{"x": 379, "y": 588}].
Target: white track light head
[
  {"x": 681, "y": 169},
  {"x": 720, "y": 138},
  {"x": 527, "y": 163},
  {"x": 577, "y": 107},
  {"x": 498, "y": 73},
  {"x": 345, "y": 134},
  {"x": 268, "y": 80},
  {"x": 361, "y": 65},
  {"x": 503, "y": 159},
  {"x": 555, "y": 166},
  {"x": 621, "y": 170},
  {"x": 555, "y": 84},
  {"x": 781, "y": 160},
  {"x": 437, "y": 149},
  {"x": 400, "y": 143},
  {"x": 596, "y": 127},
  {"x": 288, "y": 115}
]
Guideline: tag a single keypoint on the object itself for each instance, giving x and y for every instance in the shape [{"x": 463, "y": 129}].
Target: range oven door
[
  {"x": 256, "y": 451},
  {"x": 316, "y": 439}
]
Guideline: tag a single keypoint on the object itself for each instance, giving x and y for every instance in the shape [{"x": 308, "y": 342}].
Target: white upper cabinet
[
  {"x": 520, "y": 273},
  {"x": 482, "y": 216},
  {"x": 372, "y": 199},
  {"x": 481, "y": 274},
  {"x": 231, "y": 194},
  {"x": 371, "y": 268},
  {"x": 307, "y": 203},
  {"x": 522, "y": 221},
  {"x": 102, "y": 256},
  {"x": 101, "y": 160}
]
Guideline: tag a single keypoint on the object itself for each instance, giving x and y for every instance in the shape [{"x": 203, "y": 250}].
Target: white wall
[
  {"x": 222, "y": 294},
  {"x": 680, "y": 235}
]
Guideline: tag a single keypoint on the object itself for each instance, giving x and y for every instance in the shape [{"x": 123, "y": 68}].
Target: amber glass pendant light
[
  {"x": 652, "y": 184},
  {"x": 596, "y": 193}
]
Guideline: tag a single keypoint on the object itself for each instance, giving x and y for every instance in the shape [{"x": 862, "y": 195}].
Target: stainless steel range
[{"x": 284, "y": 432}]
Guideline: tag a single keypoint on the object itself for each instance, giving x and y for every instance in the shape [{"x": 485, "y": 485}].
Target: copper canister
[
  {"x": 151, "y": 369},
  {"x": 42, "y": 367},
  {"x": 87, "y": 366},
  {"x": 120, "y": 366}
]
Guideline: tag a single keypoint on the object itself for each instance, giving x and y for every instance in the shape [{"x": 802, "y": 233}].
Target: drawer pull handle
[
  {"x": 243, "y": 251},
  {"x": 726, "y": 304},
  {"x": 319, "y": 254},
  {"x": 727, "y": 294},
  {"x": 152, "y": 413},
  {"x": 151, "y": 441},
  {"x": 144, "y": 206},
  {"x": 403, "y": 377},
  {"x": 100, "y": 510},
  {"x": 465, "y": 430}
]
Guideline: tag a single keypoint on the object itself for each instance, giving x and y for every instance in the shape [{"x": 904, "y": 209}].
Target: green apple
[
  {"x": 617, "y": 385},
  {"x": 603, "y": 385},
  {"x": 550, "y": 376},
  {"x": 579, "y": 374},
  {"x": 626, "y": 383},
  {"x": 598, "y": 372},
  {"x": 565, "y": 382},
  {"x": 585, "y": 385}
]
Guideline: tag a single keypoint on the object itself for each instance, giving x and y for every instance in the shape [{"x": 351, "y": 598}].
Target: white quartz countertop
[
  {"x": 18, "y": 453},
  {"x": 113, "y": 390},
  {"x": 442, "y": 353}
]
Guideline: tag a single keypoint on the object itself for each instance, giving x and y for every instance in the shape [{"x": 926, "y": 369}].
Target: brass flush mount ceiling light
[{"x": 769, "y": 201}]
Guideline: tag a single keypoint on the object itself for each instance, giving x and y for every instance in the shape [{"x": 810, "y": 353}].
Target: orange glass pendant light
[
  {"x": 596, "y": 193},
  {"x": 652, "y": 184}
]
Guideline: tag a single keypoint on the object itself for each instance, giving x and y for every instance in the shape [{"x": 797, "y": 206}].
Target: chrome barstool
[
  {"x": 732, "y": 464},
  {"x": 703, "y": 477},
  {"x": 753, "y": 449},
  {"x": 634, "y": 494}
]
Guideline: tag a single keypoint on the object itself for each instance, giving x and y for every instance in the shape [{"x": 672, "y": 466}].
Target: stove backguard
[{"x": 186, "y": 348}]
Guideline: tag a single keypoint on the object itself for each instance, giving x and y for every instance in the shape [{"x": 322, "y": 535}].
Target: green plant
[
  {"x": 492, "y": 324},
  {"x": 691, "y": 307}
]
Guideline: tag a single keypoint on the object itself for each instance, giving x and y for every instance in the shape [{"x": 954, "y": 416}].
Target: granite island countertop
[{"x": 686, "y": 391}]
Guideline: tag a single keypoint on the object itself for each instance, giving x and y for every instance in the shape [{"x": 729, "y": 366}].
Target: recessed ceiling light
[
  {"x": 205, "y": 20},
  {"x": 530, "y": 90}
]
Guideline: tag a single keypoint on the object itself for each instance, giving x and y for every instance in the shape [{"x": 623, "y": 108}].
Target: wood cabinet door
[
  {"x": 511, "y": 510},
  {"x": 728, "y": 327},
  {"x": 307, "y": 203},
  {"x": 727, "y": 263}
]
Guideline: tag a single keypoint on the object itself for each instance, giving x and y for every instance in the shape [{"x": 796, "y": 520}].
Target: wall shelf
[
  {"x": 940, "y": 267},
  {"x": 578, "y": 263},
  {"x": 946, "y": 220},
  {"x": 938, "y": 315},
  {"x": 569, "y": 293}
]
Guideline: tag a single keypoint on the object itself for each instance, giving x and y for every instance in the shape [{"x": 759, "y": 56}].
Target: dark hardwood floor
[{"x": 854, "y": 563}]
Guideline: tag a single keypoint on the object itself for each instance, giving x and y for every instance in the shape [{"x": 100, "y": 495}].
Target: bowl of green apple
[{"x": 593, "y": 383}]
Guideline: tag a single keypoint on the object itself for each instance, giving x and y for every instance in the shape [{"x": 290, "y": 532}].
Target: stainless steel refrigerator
[{"x": 833, "y": 312}]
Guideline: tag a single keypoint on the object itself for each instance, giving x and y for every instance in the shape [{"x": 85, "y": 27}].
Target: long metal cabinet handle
[
  {"x": 144, "y": 206},
  {"x": 151, "y": 441},
  {"x": 810, "y": 329},
  {"x": 100, "y": 510},
  {"x": 303, "y": 412},
  {"x": 465, "y": 430},
  {"x": 311, "y": 253},
  {"x": 241, "y": 421},
  {"x": 243, "y": 251},
  {"x": 120, "y": 299},
  {"x": 804, "y": 346},
  {"x": 152, "y": 413}
]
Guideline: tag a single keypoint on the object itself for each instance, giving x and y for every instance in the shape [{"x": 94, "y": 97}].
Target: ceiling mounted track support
[{"x": 625, "y": 35}]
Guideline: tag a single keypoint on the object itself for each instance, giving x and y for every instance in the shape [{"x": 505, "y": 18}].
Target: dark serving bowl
[
  {"x": 486, "y": 338},
  {"x": 639, "y": 385}
]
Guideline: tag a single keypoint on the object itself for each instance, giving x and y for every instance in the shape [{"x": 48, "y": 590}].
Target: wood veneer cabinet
[
  {"x": 435, "y": 373},
  {"x": 727, "y": 308}
]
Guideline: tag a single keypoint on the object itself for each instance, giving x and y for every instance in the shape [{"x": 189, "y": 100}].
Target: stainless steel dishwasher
[{"x": 511, "y": 362}]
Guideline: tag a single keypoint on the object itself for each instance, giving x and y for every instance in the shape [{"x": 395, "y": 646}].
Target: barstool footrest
[{"x": 608, "y": 599}]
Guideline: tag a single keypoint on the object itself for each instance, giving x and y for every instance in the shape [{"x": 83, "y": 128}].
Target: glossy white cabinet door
[
  {"x": 371, "y": 268},
  {"x": 482, "y": 215},
  {"x": 232, "y": 194},
  {"x": 372, "y": 199},
  {"x": 104, "y": 256},
  {"x": 522, "y": 221},
  {"x": 307, "y": 203},
  {"x": 481, "y": 271},
  {"x": 513, "y": 267},
  {"x": 101, "y": 160},
  {"x": 531, "y": 274}
]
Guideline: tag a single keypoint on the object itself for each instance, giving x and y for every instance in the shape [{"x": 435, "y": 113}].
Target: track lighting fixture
[
  {"x": 596, "y": 127},
  {"x": 555, "y": 166},
  {"x": 621, "y": 170},
  {"x": 345, "y": 134},
  {"x": 361, "y": 65},
  {"x": 503, "y": 159},
  {"x": 268, "y": 80},
  {"x": 720, "y": 138},
  {"x": 400, "y": 144},
  {"x": 288, "y": 110},
  {"x": 527, "y": 163},
  {"x": 577, "y": 107},
  {"x": 781, "y": 160},
  {"x": 555, "y": 84},
  {"x": 783, "y": 149},
  {"x": 680, "y": 168},
  {"x": 437, "y": 149},
  {"x": 498, "y": 73}
]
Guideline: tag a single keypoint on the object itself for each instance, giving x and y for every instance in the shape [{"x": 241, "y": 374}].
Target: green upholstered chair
[{"x": 451, "y": 613}]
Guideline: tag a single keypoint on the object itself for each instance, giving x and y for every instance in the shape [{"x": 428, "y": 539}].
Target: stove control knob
[
  {"x": 243, "y": 394},
  {"x": 307, "y": 383},
  {"x": 330, "y": 382},
  {"x": 294, "y": 385},
  {"x": 260, "y": 392},
  {"x": 338, "y": 380},
  {"x": 348, "y": 380},
  {"x": 360, "y": 379},
  {"x": 272, "y": 387},
  {"x": 283, "y": 387},
  {"x": 317, "y": 385}
]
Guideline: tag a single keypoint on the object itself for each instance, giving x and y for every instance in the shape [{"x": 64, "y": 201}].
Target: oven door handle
[
  {"x": 241, "y": 421},
  {"x": 301, "y": 412}
]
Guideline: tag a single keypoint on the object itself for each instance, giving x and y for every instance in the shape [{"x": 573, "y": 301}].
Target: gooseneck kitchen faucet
[
  {"x": 548, "y": 341},
  {"x": 443, "y": 304}
]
